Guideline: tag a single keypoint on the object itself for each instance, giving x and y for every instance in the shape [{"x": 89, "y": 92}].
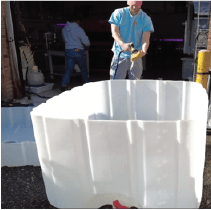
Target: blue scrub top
[{"x": 131, "y": 28}]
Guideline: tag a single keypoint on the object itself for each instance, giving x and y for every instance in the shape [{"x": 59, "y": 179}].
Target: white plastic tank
[
  {"x": 35, "y": 77},
  {"x": 142, "y": 142},
  {"x": 18, "y": 146}
]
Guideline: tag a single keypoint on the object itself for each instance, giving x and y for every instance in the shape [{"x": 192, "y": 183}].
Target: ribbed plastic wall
[
  {"x": 143, "y": 140},
  {"x": 18, "y": 147}
]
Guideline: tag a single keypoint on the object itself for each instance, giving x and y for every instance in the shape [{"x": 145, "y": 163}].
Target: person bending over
[{"x": 75, "y": 43}]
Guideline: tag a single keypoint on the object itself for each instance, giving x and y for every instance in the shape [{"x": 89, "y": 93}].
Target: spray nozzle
[{"x": 133, "y": 50}]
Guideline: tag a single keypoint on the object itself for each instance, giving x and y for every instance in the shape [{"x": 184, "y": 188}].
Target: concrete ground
[
  {"x": 206, "y": 197},
  {"x": 76, "y": 80}
]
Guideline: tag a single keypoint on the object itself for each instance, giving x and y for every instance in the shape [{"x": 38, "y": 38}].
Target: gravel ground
[
  {"x": 206, "y": 197},
  {"x": 23, "y": 187}
]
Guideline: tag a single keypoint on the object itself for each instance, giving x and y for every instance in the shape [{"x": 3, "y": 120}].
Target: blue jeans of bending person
[{"x": 73, "y": 56}]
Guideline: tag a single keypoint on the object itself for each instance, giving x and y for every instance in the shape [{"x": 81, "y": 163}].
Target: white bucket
[{"x": 143, "y": 140}]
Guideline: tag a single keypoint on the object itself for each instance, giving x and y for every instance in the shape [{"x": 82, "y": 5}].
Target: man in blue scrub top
[{"x": 129, "y": 25}]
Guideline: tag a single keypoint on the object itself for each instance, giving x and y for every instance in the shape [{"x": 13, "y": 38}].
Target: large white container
[{"x": 141, "y": 140}]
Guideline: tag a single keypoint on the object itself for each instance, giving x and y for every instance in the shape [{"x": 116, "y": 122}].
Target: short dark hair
[{"x": 74, "y": 17}]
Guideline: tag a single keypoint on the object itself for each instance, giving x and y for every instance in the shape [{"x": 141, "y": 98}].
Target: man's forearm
[
  {"x": 145, "y": 42},
  {"x": 145, "y": 46},
  {"x": 117, "y": 38}
]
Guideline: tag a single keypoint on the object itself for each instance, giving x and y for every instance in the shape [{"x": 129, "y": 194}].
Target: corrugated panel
[
  {"x": 19, "y": 154},
  {"x": 16, "y": 124},
  {"x": 18, "y": 147},
  {"x": 141, "y": 139}
]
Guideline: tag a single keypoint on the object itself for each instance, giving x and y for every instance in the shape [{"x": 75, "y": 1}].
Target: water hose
[{"x": 136, "y": 54}]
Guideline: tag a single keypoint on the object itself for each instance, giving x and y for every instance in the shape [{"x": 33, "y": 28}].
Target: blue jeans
[{"x": 72, "y": 57}]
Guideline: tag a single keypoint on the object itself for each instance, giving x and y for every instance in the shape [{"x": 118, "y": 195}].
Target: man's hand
[
  {"x": 126, "y": 46},
  {"x": 135, "y": 56},
  {"x": 143, "y": 53}
]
